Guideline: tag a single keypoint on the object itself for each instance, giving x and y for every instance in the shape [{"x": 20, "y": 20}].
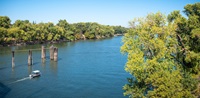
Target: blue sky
[{"x": 108, "y": 12}]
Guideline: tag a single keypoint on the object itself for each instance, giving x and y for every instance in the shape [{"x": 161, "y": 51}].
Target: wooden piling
[
  {"x": 30, "y": 58},
  {"x": 43, "y": 53},
  {"x": 51, "y": 50},
  {"x": 55, "y": 54},
  {"x": 13, "y": 59}
]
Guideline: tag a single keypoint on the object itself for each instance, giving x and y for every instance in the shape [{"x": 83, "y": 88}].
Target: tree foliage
[
  {"x": 163, "y": 55},
  {"x": 188, "y": 36},
  {"x": 22, "y": 31},
  {"x": 5, "y": 21}
]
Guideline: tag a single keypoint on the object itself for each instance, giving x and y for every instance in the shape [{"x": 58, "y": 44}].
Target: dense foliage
[
  {"x": 22, "y": 31},
  {"x": 164, "y": 55}
]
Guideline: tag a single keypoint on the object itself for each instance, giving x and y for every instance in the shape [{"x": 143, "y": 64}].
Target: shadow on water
[
  {"x": 30, "y": 69},
  {"x": 3, "y": 68},
  {"x": 35, "y": 63},
  {"x": 59, "y": 59},
  {"x": 3, "y": 90},
  {"x": 19, "y": 65}
]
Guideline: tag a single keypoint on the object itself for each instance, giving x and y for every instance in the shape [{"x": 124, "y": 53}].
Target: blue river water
[{"x": 85, "y": 69}]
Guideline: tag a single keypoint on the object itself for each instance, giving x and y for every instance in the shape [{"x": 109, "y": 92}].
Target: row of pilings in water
[{"x": 52, "y": 50}]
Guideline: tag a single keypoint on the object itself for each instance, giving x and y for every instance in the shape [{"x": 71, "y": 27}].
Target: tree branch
[{"x": 181, "y": 42}]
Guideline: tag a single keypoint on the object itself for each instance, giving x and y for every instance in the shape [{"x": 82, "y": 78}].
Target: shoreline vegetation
[
  {"x": 48, "y": 42},
  {"x": 23, "y": 32}
]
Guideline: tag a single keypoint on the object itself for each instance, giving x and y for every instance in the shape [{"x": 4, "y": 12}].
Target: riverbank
[
  {"x": 31, "y": 43},
  {"x": 48, "y": 42}
]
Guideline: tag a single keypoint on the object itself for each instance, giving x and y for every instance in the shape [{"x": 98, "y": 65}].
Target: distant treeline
[{"x": 23, "y": 31}]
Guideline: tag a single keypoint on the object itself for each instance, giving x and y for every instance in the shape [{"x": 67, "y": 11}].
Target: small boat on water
[{"x": 35, "y": 73}]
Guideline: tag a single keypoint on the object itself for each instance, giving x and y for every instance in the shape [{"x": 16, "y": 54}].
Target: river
[{"x": 85, "y": 69}]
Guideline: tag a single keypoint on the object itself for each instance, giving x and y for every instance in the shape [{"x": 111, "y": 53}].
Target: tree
[
  {"x": 188, "y": 37},
  {"x": 69, "y": 35},
  {"x": 64, "y": 24},
  {"x": 119, "y": 30},
  {"x": 193, "y": 13},
  {"x": 5, "y": 21},
  {"x": 15, "y": 34},
  {"x": 109, "y": 31},
  {"x": 3, "y": 32},
  {"x": 152, "y": 47},
  {"x": 24, "y": 31}
]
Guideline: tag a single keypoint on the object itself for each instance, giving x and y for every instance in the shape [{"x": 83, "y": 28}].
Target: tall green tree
[
  {"x": 188, "y": 37},
  {"x": 64, "y": 24},
  {"x": 3, "y": 35},
  {"x": 151, "y": 45},
  {"x": 5, "y": 21}
]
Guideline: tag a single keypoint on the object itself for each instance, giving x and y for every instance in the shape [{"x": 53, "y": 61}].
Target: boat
[{"x": 35, "y": 73}]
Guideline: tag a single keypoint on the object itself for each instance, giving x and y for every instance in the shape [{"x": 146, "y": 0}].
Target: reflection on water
[
  {"x": 53, "y": 66},
  {"x": 29, "y": 69},
  {"x": 43, "y": 61}
]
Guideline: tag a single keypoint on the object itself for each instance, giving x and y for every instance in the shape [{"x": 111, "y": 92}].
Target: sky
[{"x": 106, "y": 12}]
